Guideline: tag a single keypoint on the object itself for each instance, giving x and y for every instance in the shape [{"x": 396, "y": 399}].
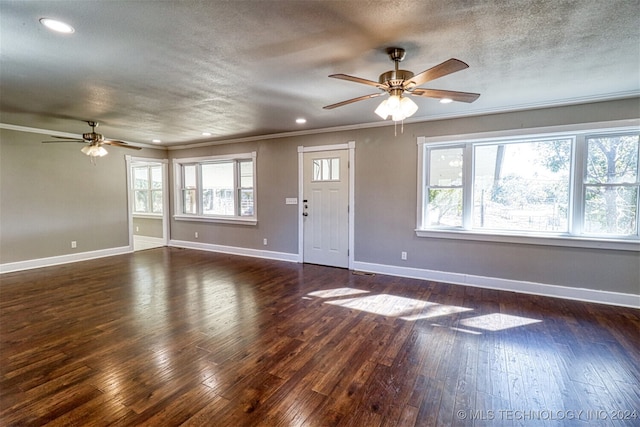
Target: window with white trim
[
  {"x": 147, "y": 189},
  {"x": 216, "y": 188},
  {"x": 572, "y": 186}
]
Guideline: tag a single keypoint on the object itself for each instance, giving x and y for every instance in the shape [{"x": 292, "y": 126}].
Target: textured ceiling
[{"x": 174, "y": 69}]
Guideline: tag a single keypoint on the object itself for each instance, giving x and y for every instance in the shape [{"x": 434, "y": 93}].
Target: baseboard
[
  {"x": 140, "y": 243},
  {"x": 565, "y": 292},
  {"x": 62, "y": 259},
  {"x": 234, "y": 250},
  {"x": 580, "y": 294}
]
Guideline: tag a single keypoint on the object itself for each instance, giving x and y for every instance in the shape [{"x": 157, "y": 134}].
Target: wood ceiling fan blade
[
  {"x": 350, "y": 101},
  {"x": 442, "y": 94},
  {"x": 357, "y": 80},
  {"x": 121, "y": 144},
  {"x": 447, "y": 67},
  {"x": 65, "y": 140}
]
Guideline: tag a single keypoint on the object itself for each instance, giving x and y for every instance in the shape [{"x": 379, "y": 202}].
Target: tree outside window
[
  {"x": 611, "y": 185},
  {"x": 574, "y": 186}
]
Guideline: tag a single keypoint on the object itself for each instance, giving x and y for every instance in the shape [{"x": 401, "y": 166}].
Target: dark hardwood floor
[{"x": 169, "y": 337}]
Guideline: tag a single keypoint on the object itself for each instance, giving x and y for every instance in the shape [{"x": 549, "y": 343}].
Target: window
[
  {"x": 216, "y": 188},
  {"x": 444, "y": 186},
  {"x": 326, "y": 169},
  {"x": 581, "y": 186},
  {"x": 522, "y": 185},
  {"x": 147, "y": 189},
  {"x": 611, "y": 185}
]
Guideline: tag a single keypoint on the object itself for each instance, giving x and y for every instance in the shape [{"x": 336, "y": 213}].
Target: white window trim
[
  {"x": 148, "y": 214},
  {"x": 625, "y": 243},
  {"x": 177, "y": 200},
  {"x": 130, "y": 161}
]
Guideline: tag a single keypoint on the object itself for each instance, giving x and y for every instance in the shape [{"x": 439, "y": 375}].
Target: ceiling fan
[
  {"x": 95, "y": 142},
  {"x": 398, "y": 82}
]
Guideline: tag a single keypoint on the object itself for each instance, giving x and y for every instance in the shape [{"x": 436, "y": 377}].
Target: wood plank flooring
[{"x": 169, "y": 337}]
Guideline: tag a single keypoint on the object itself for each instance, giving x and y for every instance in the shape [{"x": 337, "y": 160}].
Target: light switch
[{"x": 291, "y": 201}]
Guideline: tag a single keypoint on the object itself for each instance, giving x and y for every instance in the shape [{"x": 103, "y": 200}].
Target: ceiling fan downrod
[
  {"x": 92, "y": 136},
  {"x": 396, "y": 77}
]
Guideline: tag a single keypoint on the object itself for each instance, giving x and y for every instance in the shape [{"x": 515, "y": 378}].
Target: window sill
[
  {"x": 540, "y": 239},
  {"x": 221, "y": 220},
  {"x": 147, "y": 216}
]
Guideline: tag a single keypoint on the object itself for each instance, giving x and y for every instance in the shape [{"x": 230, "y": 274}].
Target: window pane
[
  {"x": 317, "y": 170},
  {"x": 326, "y": 169},
  {"x": 189, "y": 176},
  {"x": 156, "y": 177},
  {"x": 141, "y": 203},
  {"x": 612, "y": 159},
  {"x": 335, "y": 169},
  {"x": 246, "y": 174},
  {"x": 189, "y": 201},
  {"x": 246, "y": 202},
  {"x": 445, "y": 167},
  {"x": 611, "y": 210},
  {"x": 141, "y": 178},
  {"x": 445, "y": 207},
  {"x": 156, "y": 200},
  {"x": 218, "y": 189},
  {"x": 522, "y": 186}
]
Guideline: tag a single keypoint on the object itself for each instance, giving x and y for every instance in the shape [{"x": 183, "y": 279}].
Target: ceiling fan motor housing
[
  {"x": 395, "y": 78},
  {"x": 92, "y": 136}
]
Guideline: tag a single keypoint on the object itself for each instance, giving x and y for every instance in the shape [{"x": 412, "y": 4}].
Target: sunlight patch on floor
[
  {"x": 337, "y": 292},
  {"x": 497, "y": 322},
  {"x": 411, "y": 309},
  {"x": 394, "y": 306}
]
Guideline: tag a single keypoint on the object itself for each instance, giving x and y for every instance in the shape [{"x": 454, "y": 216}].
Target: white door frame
[
  {"x": 351, "y": 146},
  {"x": 129, "y": 160}
]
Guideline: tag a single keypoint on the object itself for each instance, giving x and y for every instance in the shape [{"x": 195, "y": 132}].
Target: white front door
[{"x": 325, "y": 208}]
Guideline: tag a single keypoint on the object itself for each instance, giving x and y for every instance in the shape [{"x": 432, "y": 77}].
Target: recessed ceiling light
[
  {"x": 156, "y": 141},
  {"x": 446, "y": 101},
  {"x": 206, "y": 133},
  {"x": 301, "y": 121},
  {"x": 57, "y": 26}
]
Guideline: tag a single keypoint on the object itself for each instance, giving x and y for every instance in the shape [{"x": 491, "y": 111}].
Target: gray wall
[
  {"x": 385, "y": 204},
  {"x": 50, "y": 195},
  {"x": 149, "y": 227}
]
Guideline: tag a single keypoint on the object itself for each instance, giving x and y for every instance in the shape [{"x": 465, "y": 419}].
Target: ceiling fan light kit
[
  {"x": 397, "y": 83},
  {"x": 94, "y": 151},
  {"x": 396, "y": 106}
]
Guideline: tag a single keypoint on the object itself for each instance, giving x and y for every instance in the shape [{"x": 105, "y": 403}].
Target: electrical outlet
[
  {"x": 264, "y": 241},
  {"x": 74, "y": 244},
  {"x": 196, "y": 234},
  {"x": 137, "y": 228},
  {"x": 403, "y": 256}
]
